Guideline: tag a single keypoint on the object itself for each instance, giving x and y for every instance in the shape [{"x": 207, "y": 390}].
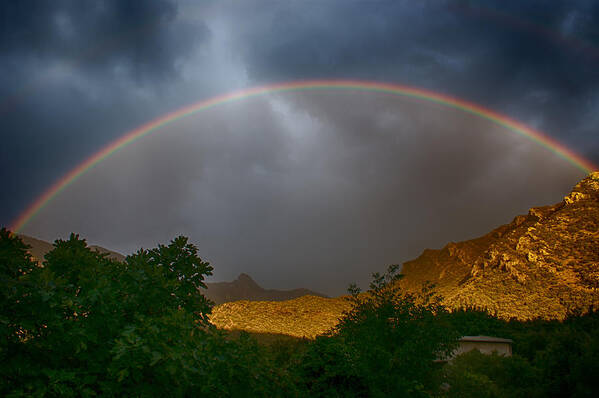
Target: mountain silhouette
[{"x": 245, "y": 288}]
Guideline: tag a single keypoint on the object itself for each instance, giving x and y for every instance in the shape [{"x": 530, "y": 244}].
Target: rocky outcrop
[{"x": 543, "y": 264}]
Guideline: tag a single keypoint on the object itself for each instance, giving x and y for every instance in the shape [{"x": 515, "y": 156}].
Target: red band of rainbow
[{"x": 554, "y": 146}]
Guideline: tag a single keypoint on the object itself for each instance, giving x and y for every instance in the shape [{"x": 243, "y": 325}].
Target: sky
[{"x": 314, "y": 189}]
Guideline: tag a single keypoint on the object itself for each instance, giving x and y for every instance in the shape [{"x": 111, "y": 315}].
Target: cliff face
[{"x": 542, "y": 264}]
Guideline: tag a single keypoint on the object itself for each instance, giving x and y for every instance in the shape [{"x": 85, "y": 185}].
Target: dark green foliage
[
  {"x": 570, "y": 359},
  {"x": 384, "y": 346},
  {"x": 82, "y": 324},
  {"x": 478, "y": 375},
  {"x": 473, "y": 322},
  {"x": 556, "y": 358},
  {"x": 15, "y": 265},
  {"x": 330, "y": 368}
]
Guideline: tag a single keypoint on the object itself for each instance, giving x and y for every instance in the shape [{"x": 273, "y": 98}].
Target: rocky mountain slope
[
  {"x": 244, "y": 288},
  {"x": 542, "y": 264}
]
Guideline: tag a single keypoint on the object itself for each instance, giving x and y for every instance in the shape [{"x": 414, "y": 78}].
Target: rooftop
[{"x": 486, "y": 339}]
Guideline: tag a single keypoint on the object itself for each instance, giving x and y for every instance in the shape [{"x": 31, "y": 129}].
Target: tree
[
  {"x": 83, "y": 324},
  {"x": 385, "y": 345},
  {"x": 15, "y": 264},
  {"x": 480, "y": 375}
]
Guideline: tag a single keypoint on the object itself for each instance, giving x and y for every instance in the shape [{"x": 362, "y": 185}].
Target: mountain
[
  {"x": 39, "y": 248},
  {"x": 542, "y": 264},
  {"x": 244, "y": 288}
]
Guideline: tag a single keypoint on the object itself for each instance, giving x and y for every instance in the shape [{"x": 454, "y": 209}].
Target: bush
[
  {"x": 479, "y": 375},
  {"x": 384, "y": 346}
]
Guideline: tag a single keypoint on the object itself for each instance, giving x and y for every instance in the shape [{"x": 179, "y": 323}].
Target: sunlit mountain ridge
[{"x": 541, "y": 265}]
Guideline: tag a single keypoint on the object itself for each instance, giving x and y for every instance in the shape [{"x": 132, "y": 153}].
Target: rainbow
[{"x": 128, "y": 138}]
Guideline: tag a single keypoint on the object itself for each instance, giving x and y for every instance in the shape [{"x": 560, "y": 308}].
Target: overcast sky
[{"x": 300, "y": 189}]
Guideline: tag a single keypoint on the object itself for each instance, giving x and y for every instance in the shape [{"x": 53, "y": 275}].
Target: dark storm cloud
[
  {"x": 73, "y": 75},
  {"x": 536, "y": 62},
  {"x": 137, "y": 37}
]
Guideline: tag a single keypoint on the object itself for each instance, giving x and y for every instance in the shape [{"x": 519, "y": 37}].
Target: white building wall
[{"x": 484, "y": 347}]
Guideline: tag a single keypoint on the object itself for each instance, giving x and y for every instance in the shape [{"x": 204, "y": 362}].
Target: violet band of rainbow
[{"x": 128, "y": 138}]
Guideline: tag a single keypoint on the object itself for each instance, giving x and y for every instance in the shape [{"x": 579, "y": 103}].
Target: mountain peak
[
  {"x": 243, "y": 277},
  {"x": 246, "y": 281},
  {"x": 587, "y": 189}
]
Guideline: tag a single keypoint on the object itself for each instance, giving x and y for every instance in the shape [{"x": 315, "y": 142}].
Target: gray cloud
[
  {"x": 539, "y": 64},
  {"x": 75, "y": 75},
  {"x": 137, "y": 38},
  {"x": 316, "y": 189}
]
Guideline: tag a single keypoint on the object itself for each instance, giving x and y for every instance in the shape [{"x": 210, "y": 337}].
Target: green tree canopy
[
  {"x": 386, "y": 344},
  {"x": 83, "y": 324}
]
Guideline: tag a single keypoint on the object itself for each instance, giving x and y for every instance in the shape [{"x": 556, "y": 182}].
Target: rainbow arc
[{"x": 405, "y": 91}]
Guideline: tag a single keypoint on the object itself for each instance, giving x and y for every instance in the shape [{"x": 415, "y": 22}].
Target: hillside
[
  {"x": 542, "y": 264},
  {"x": 39, "y": 248},
  {"x": 305, "y": 316},
  {"x": 244, "y": 288}
]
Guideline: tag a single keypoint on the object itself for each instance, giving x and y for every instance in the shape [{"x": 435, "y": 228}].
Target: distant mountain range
[{"x": 242, "y": 288}]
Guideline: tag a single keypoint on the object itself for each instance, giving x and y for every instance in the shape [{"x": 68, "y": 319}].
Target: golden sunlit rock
[{"x": 543, "y": 264}]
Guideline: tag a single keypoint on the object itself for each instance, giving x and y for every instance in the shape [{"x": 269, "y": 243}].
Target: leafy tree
[
  {"x": 329, "y": 368},
  {"x": 385, "y": 345},
  {"x": 569, "y": 361},
  {"x": 16, "y": 323},
  {"x": 479, "y": 375},
  {"x": 15, "y": 264},
  {"x": 83, "y": 324},
  {"x": 168, "y": 277}
]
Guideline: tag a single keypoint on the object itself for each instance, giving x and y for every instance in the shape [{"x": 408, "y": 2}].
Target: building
[{"x": 485, "y": 344}]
